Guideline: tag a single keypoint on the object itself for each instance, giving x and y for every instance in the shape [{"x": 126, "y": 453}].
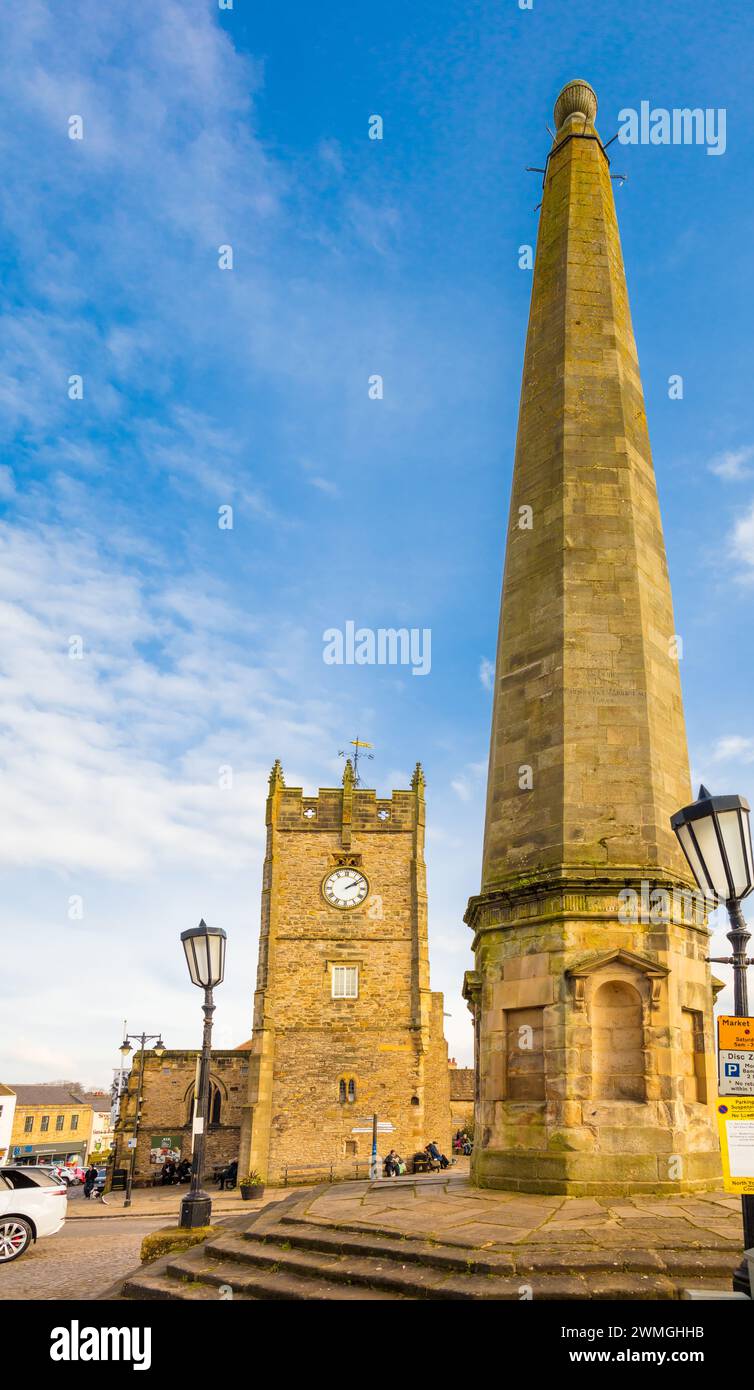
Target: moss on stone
[{"x": 172, "y": 1238}]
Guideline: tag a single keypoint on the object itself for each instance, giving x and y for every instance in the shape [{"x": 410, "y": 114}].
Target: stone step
[
  {"x": 188, "y": 1279},
  {"x": 149, "y": 1285},
  {"x": 342, "y": 1241},
  {"x": 414, "y": 1279},
  {"x": 675, "y": 1264}
]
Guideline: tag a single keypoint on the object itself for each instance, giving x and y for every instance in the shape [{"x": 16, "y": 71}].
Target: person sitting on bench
[
  {"x": 438, "y": 1159},
  {"x": 228, "y": 1176}
]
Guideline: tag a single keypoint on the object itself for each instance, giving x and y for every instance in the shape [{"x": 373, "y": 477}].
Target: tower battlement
[{"x": 291, "y": 808}]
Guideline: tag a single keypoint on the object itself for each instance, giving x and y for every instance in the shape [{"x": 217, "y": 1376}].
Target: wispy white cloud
[
  {"x": 112, "y": 760},
  {"x": 487, "y": 673},
  {"x": 743, "y": 541},
  {"x": 731, "y": 464},
  {"x": 733, "y": 748}
]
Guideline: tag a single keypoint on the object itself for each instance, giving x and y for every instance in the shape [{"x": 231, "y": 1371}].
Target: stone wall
[{"x": 167, "y": 1092}]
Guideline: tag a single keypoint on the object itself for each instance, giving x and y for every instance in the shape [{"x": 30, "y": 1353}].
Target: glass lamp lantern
[
  {"x": 205, "y": 954},
  {"x": 715, "y": 836}
]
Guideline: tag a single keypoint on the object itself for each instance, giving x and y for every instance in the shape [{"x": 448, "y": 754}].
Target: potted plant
[{"x": 251, "y": 1186}]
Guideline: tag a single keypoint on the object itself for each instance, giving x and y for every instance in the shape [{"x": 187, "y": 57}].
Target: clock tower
[{"x": 345, "y": 1023}]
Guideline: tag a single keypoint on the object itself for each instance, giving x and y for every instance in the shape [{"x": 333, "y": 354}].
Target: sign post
[{"x": 373, "y": 1164}]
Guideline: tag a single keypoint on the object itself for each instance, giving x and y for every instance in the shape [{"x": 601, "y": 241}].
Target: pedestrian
[
  {"x": 434, "y": 1153},
  {"x": 90, "y": 1178}
]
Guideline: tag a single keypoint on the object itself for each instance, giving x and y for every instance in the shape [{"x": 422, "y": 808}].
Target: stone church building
[{"x": 345, "y": 1023}]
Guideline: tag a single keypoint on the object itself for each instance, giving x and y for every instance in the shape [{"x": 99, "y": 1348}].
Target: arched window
[
  {"x": 618, "y": 1042},
  {"x": 214, "y": 1104},
  {"x": 342, "y": 1091},
  {"x": 351, "y": 1091},
  {"x": 346, "y": 1090}
]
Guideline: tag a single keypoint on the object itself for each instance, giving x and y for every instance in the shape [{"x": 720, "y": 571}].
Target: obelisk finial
[{"x": 576, "y": 99}]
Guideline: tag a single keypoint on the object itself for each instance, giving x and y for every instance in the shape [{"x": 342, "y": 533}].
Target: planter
[{"x": 249, "y": 1194}]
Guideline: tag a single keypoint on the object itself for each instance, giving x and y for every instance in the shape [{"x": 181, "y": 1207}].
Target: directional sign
[
  {"x": 736, "y": 1122},
  {"x": 385, "y": 1128},
  {"x": 735, "y": 1056}
]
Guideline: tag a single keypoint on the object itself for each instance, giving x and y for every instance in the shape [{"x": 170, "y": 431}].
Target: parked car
[
  {"x": 55, "y": 1170},
  {"x": 73, "y": 1173},
  {"x": 99, "y": 1185},
  {"x": 33, "y": 1204}
]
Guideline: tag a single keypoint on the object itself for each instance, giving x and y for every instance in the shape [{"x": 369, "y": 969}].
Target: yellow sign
[
  {"x": 735, "y": 1118},
  {"x": 735, "y": 1033}
]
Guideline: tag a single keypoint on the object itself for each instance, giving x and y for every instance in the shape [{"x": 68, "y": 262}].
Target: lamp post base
[{"x": 196, "y": 1210}]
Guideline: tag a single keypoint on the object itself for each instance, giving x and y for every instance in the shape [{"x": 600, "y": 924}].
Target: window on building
[
  {"x": 346, "y": 1091},
  {"x": 74, "y": 1121},
  {"x": 694, "y": 1069},
  {"x": 59, "y": 1121},
  {"x": 351, "y": 1148},
  {"x": 345, "y": 982},
  {"x": 214, "y": 1105},
  {"x": 45, "y": 1123},
  {"x": 28, "y": 1124}
]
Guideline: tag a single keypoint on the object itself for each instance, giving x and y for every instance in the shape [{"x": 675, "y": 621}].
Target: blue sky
[{"x": 204, "y": 388}]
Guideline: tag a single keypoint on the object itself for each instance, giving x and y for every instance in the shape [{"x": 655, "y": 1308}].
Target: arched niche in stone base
[{"x": 617, "y": 993}]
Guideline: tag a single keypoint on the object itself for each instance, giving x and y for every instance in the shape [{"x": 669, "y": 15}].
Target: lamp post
[
  {"x": 205, "y": 956},
  {"x": 715, "y": 836},
  {"x": 159, "y": 1047}
]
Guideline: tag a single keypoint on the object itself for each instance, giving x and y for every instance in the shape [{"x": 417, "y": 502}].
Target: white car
[{"x": 32, "y": 1204}]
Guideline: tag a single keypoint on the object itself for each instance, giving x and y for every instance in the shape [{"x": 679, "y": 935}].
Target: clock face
[{"x": 345, "y": 888}]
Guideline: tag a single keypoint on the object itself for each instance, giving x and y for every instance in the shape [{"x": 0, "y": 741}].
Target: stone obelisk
[{"x": 591, "y": 997}]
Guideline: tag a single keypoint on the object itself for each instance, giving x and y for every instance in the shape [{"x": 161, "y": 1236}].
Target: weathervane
[{"x": 356, "y": 744}]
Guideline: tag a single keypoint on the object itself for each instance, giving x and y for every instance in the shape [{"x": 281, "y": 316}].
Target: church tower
[
  {"x": 591, "y": 997},
  {"x": 345, "y": 1023}
]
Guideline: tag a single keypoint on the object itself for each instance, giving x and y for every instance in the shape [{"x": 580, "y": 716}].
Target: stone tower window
[
  {"x": 346, "y": 1090},
  {"x": 618, "y": 1042},
  {"x": 345, "y": 982}
]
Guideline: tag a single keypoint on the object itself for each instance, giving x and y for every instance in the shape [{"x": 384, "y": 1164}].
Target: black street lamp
[
  {"x": 205, "y": 957},
  {"x": 715, "y": 836},
  {"x": 159, "y": 1047}
]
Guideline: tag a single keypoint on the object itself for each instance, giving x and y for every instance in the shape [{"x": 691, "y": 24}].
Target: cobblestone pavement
[{"x": 80, "y": 1261}]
